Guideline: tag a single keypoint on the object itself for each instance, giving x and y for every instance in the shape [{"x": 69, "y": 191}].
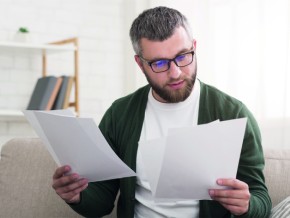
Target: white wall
[
  {"x": 103, "y": 39},
  {"x": 242, "y": 48}
]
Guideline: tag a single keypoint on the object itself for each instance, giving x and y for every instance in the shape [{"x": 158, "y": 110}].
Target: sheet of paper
[
  {"x": 79, "y": 143},
  {"x": 30, "y": 116},
  {"x": 152, "y": 160},
  {"x": 194, "y": 158}
]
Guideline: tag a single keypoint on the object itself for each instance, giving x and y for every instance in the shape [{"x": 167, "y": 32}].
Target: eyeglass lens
[{"x": 180, "y": 60}]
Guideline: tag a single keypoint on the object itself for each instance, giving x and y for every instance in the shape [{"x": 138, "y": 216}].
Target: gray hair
[{"x": 157, "y": 24}]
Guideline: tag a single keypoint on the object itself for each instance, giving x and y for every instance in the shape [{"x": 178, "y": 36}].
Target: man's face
[{"x": 175, "y": 84}]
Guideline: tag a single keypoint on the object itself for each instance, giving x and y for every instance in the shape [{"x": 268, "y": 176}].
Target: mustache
[{"x": 179, "y": 79}]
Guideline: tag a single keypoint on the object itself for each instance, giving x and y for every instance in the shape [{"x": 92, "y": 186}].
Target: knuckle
[
  {"x": 66, "y": 189},
  {"x": 235, "y": 182},
  {"x": 75, "y": 192},
  {"x": 69, "y": 188},
  {"x": 239, "y": 211},
  {"x": 81, "y": 182},
  {"x": 57, "y": 173},
  {"x": 58, "y": 192},
  {"x": 248, "y": 195}
]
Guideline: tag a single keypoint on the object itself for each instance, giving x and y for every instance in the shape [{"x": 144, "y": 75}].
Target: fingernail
[
  {"x": 84, "y": 181},
  {"x": 75, "y": 176},
  {"x": 219, "y": 182},
  {"x": 211, "y": 192}
]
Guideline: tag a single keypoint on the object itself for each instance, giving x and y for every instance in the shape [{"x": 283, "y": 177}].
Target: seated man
[{"x": 166, "y": 53}]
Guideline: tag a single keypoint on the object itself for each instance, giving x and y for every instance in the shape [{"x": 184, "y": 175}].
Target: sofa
[{"x": 26, "y": 170}]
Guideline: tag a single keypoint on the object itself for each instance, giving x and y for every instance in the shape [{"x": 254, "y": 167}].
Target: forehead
[{"x": 169, "y": 48}]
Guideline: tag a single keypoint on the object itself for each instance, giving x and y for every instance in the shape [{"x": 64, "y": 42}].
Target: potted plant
[{"x": 22, "y": 35}]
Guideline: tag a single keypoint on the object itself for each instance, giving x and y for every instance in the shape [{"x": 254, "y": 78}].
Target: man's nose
[{"x": 174, "y": 70}]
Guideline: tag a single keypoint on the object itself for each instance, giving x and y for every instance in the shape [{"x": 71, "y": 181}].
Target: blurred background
[{"x": 243, "y": 48}]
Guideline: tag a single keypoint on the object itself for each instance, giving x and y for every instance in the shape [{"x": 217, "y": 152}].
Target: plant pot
[{"x": 22, "y": 37}]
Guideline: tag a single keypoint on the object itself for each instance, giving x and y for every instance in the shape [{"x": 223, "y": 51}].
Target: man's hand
[
  {"x": 68, "y": 187},
  {"x": 236, "y": 200}
]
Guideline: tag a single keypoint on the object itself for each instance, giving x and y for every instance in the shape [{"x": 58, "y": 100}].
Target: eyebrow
[{"x": 179, "y": 53}]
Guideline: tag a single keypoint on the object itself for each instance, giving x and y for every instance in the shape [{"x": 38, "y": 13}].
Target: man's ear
[
  {"x": 194, "y": 44},
  {"x": 139, "y": 62}
]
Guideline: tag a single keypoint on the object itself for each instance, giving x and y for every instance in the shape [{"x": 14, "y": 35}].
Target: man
[{"x": 166, "y": 54}]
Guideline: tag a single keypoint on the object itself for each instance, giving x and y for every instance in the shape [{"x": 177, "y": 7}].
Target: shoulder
[
  {"x": 132, "y": 102},
  {"x": 217, "y": 104},
  {"x": 126, "y": 108},
  {"x": 124, "y": 118},
  {"x": 217, "y": 96},
  {"x": 134, "y": 98}
]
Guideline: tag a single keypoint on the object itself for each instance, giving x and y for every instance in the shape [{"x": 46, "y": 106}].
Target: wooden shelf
[
  {"x": 69, "y": 45},
  {"x": 35, "y": 46},
  {"x": 11, "y": 115}
]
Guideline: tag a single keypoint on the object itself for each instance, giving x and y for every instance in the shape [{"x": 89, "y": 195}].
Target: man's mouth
[{"x": 176, "y": 85}]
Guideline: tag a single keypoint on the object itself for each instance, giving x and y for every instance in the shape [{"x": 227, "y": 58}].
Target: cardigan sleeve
[{"x": 251, "y": 167}]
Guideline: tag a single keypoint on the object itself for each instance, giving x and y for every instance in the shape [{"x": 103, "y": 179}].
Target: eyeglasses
[{"x": 163, "y": 65}]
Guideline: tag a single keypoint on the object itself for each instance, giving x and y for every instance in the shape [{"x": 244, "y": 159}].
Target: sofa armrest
[
  {"x": 277, "y": 173},
  {"x": 26, "y": 170}
]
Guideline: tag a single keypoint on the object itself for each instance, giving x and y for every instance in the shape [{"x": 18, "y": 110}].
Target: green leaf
[{"x": 23, "y": 30}]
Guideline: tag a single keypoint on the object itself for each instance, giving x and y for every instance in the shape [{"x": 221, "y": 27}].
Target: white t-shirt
[{"x": 159, "y": 117}]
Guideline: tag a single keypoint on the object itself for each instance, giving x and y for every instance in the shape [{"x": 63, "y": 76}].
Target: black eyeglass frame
[{"x": 169, "y": 61}]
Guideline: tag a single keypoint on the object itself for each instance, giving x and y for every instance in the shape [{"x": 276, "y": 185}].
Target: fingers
[
  {"x": 233, "y": 183},
  {"x": 225, "y": 194},
  {"x": 238, "y": 189},
  {"x": 61, "y": 171},
  {"x": 73, "y": 195},
  {"x": 235, "y": 199},
  {"x": 68, "y": 187}
]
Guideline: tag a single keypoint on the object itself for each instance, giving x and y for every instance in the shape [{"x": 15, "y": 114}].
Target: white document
[
  {"x": 189, "y": 160},
  {"x": 29, "y": 114},
  {"x": 152, "y": 152},
  {"x": 78, "y": 142}
]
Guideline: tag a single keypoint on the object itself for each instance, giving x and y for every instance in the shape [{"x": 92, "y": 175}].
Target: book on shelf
[
  {"x": 44, "y": 93},
  {"x": 63, "y": 96},
  {"x": 68, "y": 92}
]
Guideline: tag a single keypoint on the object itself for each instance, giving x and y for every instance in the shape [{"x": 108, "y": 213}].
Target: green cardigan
[{"x": 121, "y": 126}]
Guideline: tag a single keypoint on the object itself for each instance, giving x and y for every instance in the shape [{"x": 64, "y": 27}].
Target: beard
[{"x": 173, "y": 96}]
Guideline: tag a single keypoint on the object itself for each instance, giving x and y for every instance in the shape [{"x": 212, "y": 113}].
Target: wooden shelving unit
[
  {"x": 74, "y": 42},
  {"x": 67, "y": 45}
]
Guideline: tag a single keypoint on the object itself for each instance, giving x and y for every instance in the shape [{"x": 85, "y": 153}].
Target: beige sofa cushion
[
  {"x": 277, "y": 173},
  {"x": 26, "y": 170}
]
